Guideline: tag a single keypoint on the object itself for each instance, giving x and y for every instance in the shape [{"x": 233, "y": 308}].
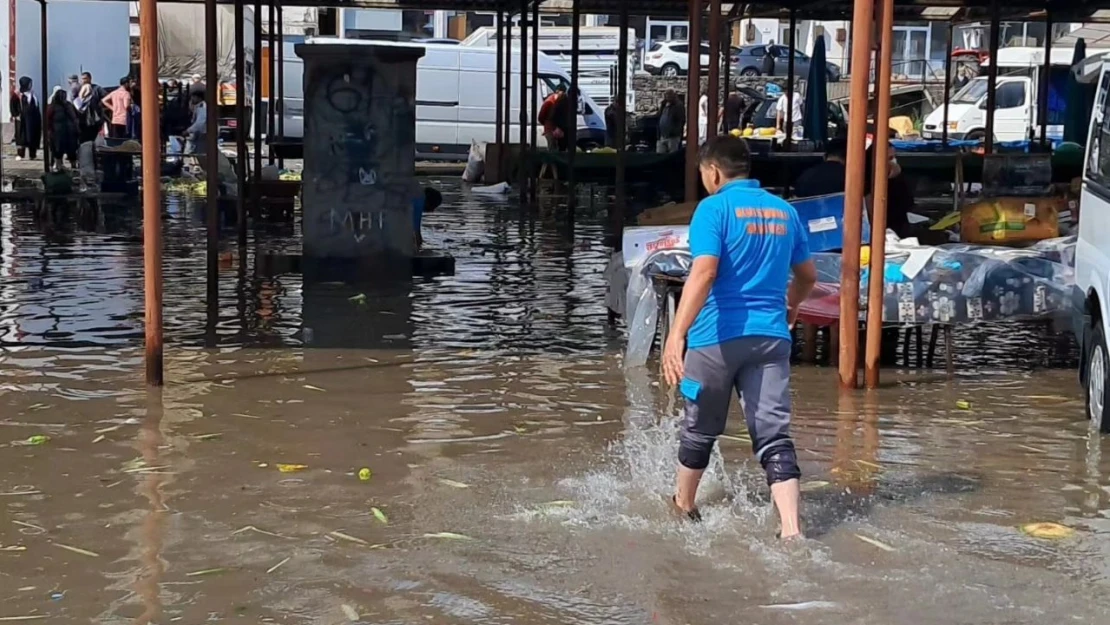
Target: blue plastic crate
[{"x": 823, "y": 217}]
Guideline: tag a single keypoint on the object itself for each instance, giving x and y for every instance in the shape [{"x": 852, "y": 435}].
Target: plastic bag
[{"x": 475, "y": 162}]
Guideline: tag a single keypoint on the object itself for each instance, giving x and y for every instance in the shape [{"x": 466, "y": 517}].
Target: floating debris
[
  {"x": 448, "y": 536},
  {"x": 350, "y": 613},
  {"x": 348, "y": 538},
  {"x": 314, "y": 388},
  {"x": 379, "y": 515},
  {"x": 452, "y": 483},
  {"x": 251, "y": 528},
  {"x": 207, "y": 437},
  {"x": 98, "y": 439},
  {"x": 875, "y": 543},
  {"x": 358, "y": 299},
  {"x": 206, "y": 572},
  {"x": 963, "y": 404},
  {"x": 364, "y": 474},
  {"x": 1047, "y": 531},
  {"x": 84, "y": 552},
  {"x": 804, "y": 605},
  {"x": 278, "y": 565},
  {"x": 11, "y": 548},
  {"x": 29, "y": 617},
  {"x": 291, "y": 468},
  {"x": 813, "y": 485}
]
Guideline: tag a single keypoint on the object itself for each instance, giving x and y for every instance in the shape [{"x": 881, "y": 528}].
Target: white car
[
  {"x": 1092, "y": 258},
  {"x": 672, "y": 58}
]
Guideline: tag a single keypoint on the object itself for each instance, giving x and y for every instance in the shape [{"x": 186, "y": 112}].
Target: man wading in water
[{"x": 737, "y": 308}]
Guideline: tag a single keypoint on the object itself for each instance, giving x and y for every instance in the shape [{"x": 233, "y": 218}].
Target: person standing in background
[
  {"x": 195, "y": 134},
  {"x": 90, "y": 108},
  {"x": 61, "y": 119},
  {"x": 672, "y": 123},
  {"x": 118, "y": 103},
  {"x": 734, "y": 110},
  {"x": 26, "y": 114},
  {"x": 546, "y": 116},
  {"x": 795, "y": 113}
]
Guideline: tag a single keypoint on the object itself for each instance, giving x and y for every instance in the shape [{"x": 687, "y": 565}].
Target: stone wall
[{"x": 650, "y": 89}]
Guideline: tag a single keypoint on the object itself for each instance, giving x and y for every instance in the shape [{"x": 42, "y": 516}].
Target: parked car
[
  {"x": 750, "y": 62},
  {"x": 672, "y": 58},
  {"x": 760, "y": 112}
]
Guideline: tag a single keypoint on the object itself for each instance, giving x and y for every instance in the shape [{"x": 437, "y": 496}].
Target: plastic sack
[
  {"x": 501, "y": 188},
  {"x": 475, "y": 163}
]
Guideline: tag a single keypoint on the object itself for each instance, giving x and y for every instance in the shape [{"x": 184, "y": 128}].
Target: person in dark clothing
[
  {"x": 90, "y": 108},
  {"x": 612, "y": 114},
  {"x": 672, "y": 123},
  {"x": 734, "y": 110},
  {"x": 828, "y": 177},
  {"x": 768, "y": 61},
  {"x": 27, "y": 119},
  {"x": 61, "y": 118}
]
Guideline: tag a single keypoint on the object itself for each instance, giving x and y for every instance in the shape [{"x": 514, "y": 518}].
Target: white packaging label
[
  {"x": 823, "y": 224},
  {"x": 1030, "y": 210}
]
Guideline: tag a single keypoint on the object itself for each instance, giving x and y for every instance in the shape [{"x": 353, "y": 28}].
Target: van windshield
[
  {"x": 972, "y": 92},
  {"x": 550, "y": 82}
]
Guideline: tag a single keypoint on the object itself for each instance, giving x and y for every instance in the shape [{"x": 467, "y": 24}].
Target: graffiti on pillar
[{"x": 356, "y": 224}]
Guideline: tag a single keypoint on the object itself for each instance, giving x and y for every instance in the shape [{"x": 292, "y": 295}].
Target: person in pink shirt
[{"x": 118, "y": 103}]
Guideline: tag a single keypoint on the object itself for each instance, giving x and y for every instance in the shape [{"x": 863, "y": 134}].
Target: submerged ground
[{"x": 516, "y": 468}]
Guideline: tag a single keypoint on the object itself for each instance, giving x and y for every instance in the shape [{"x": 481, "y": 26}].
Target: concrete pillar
[{"x": 359, "y": 149}]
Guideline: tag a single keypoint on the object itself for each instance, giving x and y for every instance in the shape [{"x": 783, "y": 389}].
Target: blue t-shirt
[
  {"x": 417, "y": 213},
  {"x": 757, "y": 237}
]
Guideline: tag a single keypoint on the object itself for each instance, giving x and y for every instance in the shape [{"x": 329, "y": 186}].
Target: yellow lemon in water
[
  {"x": 1048, "y": 531},
  {"x": 364, "y": 474}
]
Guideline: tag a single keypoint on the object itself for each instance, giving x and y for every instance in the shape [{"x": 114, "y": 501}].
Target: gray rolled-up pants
[{"x": 757, "y": 369}]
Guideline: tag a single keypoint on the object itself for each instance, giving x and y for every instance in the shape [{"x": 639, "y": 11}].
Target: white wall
[{"x": 81, "y": 37}]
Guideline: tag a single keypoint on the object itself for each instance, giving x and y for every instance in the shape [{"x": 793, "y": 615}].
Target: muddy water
[{"x": 518, "y": 469}]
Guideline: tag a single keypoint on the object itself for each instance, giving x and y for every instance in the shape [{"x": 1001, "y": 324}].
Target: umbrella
[
  {"x": 815, "y": 122},
  {"x": 1076, "y": 109}
]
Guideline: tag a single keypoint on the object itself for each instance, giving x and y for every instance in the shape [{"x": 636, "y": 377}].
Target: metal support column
[
  {"x": 572, "y": 111},
  {"x": 992, "y": 78},
  {"x": 280, "y": 111},
  {"x": 507, "y": 105},
  {"x": 256, "y": 120},
  {"x": 620, "y": 205},
  {"x": 271, "y": 108},
  {"x": 854, "y": 192},
  {"x": 499, "y": 137},
  {"x": 152, "y": 190},
  {"x": 525, "y": 159},
  {"x": 1046, "y": 71},
  {"x": 241, "y": 154},
  {"x": 43, "y": 87},
  {"x": 947, "y": 86},
  {"x": 876, "y": 280},
  {"x": 713, "y": 85},
  {"x": 790, "y": 78},
  {"x": 693, "y": 88},
  {"x": 726, "y": 73},
  {"x": 535, "y": 85},
  {"x": 211, "y": 149}
]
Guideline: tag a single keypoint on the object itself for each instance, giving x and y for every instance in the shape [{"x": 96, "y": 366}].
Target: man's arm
[
  {"x": 694, "y": 293},
  {"x": 200, "y": 122},
  {"x": 805, "y": 276}
]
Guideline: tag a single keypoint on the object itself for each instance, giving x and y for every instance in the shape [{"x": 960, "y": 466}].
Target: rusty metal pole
[
  {"x": 271, "y": 108},
  {"x": 992, "y": 79},
  {"x": 713, "y": 85},
  {"x": 620, "y": 205},
  {"x": 726, "y": 73},
  {"x": 525, "y": 152},
  {"x": 240, "y": 128},
  {"x": 152, "y": 189},
  {"x": 854, "y": 192},
  {"x": 1046, "y": 70},
  {"x": 507, "y": 106},
  {"x": 256, "y": 122},
  {"x": 947, "y": 87},
  {"x": 693, "y": 88},
  {"x": 280, "y": 78},
  {"x": 535, "y": 86},
  {"x": 212, "y": 148},
  {"x": 790, "y": 80},
  {"x": 44, "y": 103},
  {"x": 876, "y": 274},
  {"x": 572, "y": 110},
  {"x": 499, "y": 137}
]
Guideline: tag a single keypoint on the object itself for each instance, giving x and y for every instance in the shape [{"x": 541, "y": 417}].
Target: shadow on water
[{"x": 519, "y": 468}]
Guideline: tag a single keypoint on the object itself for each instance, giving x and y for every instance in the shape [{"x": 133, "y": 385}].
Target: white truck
[
  {"x": 1016, "y": 118},
  {"x": 181, "y": 55}
]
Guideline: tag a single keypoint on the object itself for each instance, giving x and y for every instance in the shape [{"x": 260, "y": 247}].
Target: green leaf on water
[{"x": 379, "y": 515}]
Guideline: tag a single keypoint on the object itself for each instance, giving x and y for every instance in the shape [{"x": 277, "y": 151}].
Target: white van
[
  {"x": 1092, "y": 257},
  {"x": 1016, "y": 97},
  {"x": 455, "y": 97}
]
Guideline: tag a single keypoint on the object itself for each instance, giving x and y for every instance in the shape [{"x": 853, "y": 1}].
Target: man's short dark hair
[
  {"x": 837, "y": 147},
  {"x": 126, "y": 80},
  {"x": 86, "y": 75},
  {"x": 730, "y": 154}
]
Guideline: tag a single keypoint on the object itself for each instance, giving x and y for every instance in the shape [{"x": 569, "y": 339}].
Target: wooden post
[
  {"x": 241, "y": 154},
  {"x": 280, "y": 78},
  {"x": 271, "y": 119},
  {"x": 992, "y": 79},
  {"x": 499, "y": 137},
  {"x": 876, "y": 282},
  {"x": 620, "y": 206},
  {"x": 693, "y": 95},
  {"x": 256, "y": 121},
  {"x": 44, "y": 88},
  {"x": 152, "y": 189},
  {"x": 1046, "y": 70},
  {"x": 790, "y": 78},
  {"x": 524, "y": 160},
  {"x": 535, "y": 85},
  {"x": 712, "y": 88},
  {"x": 212, "y": 148},
  {"x": 947, "y": 87},
  {"x": 854, "y": 192},
  {"x": 574, "y": 95}
]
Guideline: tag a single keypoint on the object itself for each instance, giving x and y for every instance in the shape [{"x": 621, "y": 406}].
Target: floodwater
[{"x": 516, "y": 469}]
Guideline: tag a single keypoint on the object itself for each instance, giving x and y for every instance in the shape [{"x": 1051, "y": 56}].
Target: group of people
[{"x": 85, "y": 110}]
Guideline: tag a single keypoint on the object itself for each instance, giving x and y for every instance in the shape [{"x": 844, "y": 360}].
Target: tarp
[{"x": 181, "y": 40}]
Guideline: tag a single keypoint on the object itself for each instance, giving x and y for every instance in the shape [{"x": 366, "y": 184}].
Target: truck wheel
[
  {"x": 1098, "y": 375},
  {"x": 670, "y": 70},
  {"x": 749, "y": 71},
  {"x": 976, "y": 135}
]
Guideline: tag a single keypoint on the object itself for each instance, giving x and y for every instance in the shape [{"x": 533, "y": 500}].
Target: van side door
[
  {"x": 1092, "y": 254},
  {"x": 437, "y": 102}
]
